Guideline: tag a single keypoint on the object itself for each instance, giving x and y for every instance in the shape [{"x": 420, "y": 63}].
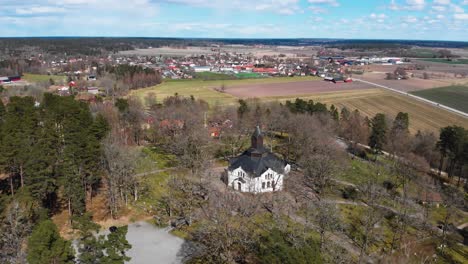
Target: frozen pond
[{"x": 152, "y": 245}]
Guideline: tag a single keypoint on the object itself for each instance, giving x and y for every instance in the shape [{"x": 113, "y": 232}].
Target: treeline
[
  {"x": 12, "y": 67},
  {"x": 136, "y": 76}
]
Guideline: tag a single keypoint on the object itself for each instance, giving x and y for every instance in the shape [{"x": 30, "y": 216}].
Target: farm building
[
  {"x": 257, "y": 170},
  {"x": 202, "y": 69}
]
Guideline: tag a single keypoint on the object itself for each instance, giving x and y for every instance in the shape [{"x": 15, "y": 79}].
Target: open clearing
[
  {"x": 452, "y": 96},
  {"x": 423, "y": 116}
]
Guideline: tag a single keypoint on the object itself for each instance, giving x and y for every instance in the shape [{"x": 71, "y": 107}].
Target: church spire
[{"x": 257, "y": 139}]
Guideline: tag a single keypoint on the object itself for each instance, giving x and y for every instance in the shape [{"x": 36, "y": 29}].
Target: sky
[{"x": 351, "y": 19}]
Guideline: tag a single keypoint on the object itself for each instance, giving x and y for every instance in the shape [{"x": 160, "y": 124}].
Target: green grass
[
  {"x": 452, "y": 96},
  {"x": 360, "y": 172},
  {"x": 37, "y": 78},
  {"x": 454, "y": 61},
  {"x": 154, "y": 159}
]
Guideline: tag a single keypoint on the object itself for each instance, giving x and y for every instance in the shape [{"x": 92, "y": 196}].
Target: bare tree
[
  {"x": 15, "y": 229},
  {"x": 119, "y": 162}
]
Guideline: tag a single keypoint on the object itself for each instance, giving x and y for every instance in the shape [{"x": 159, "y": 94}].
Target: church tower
[{"x": 257, "y": 139}]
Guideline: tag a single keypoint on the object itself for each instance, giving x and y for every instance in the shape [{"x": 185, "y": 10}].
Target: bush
[{"x": 349, "y": 192}]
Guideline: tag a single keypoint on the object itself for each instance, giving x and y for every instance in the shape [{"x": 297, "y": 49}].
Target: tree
[
  {"x": 451, "y": 144},
  {"x": 90, "y": 247},
  {"x": 45, "y": 246},
  {"x": 243, "y": 108},
  {"x": 19, "y": 136},
  {"x": 14, "y": 230},
  {"x": 398, "y": 138},
  {"x": 378, "y": 137},
  {"x": 116, "y": 246},
  {"x": 334, "y": 113},
  {"x": 119, "y": 163}
]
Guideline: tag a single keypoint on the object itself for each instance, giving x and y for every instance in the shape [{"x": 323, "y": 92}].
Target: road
[{"x": 458, "y": 112}]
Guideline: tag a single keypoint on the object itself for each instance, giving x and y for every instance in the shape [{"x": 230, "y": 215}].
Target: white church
[{"x": 257, "y": 170}]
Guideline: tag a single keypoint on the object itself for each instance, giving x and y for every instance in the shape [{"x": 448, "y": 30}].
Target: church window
[
  {"x": 268, "y": 185},
  {"x": 263, "y": 185}
]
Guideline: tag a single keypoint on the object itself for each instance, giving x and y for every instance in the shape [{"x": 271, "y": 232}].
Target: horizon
[
  {"x": 264, "y": 19},
  {"x": 234, "y": 38}
]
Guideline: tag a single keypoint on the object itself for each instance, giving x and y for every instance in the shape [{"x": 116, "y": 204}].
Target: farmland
[
  {"x": 458, "y": 61},
  {"x": 367, "y": 101},
  {"x": 452, "y": 96}
]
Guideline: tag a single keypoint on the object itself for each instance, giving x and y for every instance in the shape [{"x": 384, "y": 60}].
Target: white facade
[{"x": 269, "y": 181}]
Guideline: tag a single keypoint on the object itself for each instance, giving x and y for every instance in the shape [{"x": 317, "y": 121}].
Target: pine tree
[
  {"x": 378, "y": 137},
  {"x": 401, "y": 122},
  {"x": 19, "y": 136},
  {"x": 45, "y": 246},
  {"x": 116, "y": 246},
  {"x": 90, "y": 246},
  {"x": 334, "y": 113}
]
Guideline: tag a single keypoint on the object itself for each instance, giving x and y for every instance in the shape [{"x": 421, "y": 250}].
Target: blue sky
[{"x": 364, "y": 19}]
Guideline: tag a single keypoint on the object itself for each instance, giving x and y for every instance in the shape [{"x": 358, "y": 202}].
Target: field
[
  {"x": 412, "y": 84},
  {"x": 38, "y": 78},
  {"x": 262, "y": 90},
  {"x": 205, "y": 89},
  {"x": 458, "y": 61},
  {"x": 452, "y": 96},
  {"x": 367, "y": 101}
]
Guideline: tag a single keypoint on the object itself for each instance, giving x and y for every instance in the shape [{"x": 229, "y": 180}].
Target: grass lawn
[
  {"x": 359, "y": 173},
  {"x": 369, "y": 101},
  {"x": 453, "y": 96},
  {"x": 36, "y": 78},
  {"x": 455, "y": 61}
]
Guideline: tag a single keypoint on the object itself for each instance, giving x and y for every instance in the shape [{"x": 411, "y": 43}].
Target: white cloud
[
  {"x": 439, "y": 8},
  {"x": 414, "y": 5},
  {"x": 317, "y": 10},
  {"x": 324, "y": 2},
  {"x": 461, "y": 16},
  {"x": 35, "y": 10},
  {"x": 442, "y": 2}
]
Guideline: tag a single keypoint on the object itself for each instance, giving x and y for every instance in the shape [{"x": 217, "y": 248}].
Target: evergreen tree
[
  {"x": 243, "y": 108},
  {"x": 116, "y": 246},
  {"x": 334, "y": 113},
  {"x": 19, "y": 136},
  {"x": 378, "y": 136},
  {"x": 401, "y": 122},
  {"x": 45, "y": 246},
  {"x": 345, "y": 114},
  {"x": 90, "y": 246}
]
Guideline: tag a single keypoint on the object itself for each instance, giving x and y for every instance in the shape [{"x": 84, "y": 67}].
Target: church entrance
[{"x": 239, "y": 186}]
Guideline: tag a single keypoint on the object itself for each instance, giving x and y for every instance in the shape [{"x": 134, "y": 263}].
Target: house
[{"x": 257, "y": 170}]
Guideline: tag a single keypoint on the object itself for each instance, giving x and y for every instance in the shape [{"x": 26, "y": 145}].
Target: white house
[{"x": 257, "y": 170}]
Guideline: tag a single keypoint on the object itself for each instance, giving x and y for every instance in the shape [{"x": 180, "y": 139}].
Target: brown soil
[{"x": 292, "y": 88}]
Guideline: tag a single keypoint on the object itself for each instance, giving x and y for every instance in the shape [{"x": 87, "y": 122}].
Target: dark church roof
[{"x": 257, "y": 159}]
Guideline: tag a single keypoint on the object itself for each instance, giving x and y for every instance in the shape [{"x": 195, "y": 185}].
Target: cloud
[
  {"x": 285, "y": 7},
  {"x": 412, "y": 5},
  {"x": 442, "y": 2},
  {"x": 461, "y": 16},
  {"x": 325, "y": 2},
  {"x": 36, "y": 10}
]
